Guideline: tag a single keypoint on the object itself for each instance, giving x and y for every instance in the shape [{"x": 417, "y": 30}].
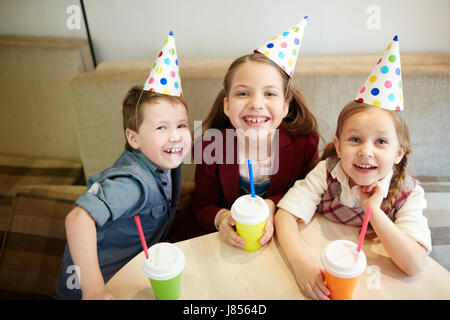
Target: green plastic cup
[
  {"x": 250, "y": 215},
  {"x": 166, "y": 289},
  {"x": 164, "y": 268}
]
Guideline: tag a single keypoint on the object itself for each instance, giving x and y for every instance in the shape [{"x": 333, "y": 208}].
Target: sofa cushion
[
  {"x": 16, "y": 172},
  {"x": 437, "y": 194},
  {"x": 35, "y": 240}
]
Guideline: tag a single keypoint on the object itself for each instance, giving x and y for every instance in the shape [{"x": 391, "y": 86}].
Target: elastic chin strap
[
  {"x": 402, "y": 123},
  {"x": 136, "y": 111}
]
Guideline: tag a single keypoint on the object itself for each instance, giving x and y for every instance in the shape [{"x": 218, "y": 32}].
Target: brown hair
[
  {"x": 129, "y": 107},
  {"x": 299, "y": 119},
  {"x": 402, "y": 131}
]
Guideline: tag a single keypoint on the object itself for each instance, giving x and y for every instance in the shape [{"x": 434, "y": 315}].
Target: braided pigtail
[
  {"x": 398, "y": 178},
  {"x": 396, "y": 184}
]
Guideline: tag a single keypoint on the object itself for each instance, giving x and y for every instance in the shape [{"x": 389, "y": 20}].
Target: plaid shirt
[{"x": 331, "y": 207}]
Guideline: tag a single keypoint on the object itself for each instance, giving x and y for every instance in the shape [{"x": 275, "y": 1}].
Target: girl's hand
[
  {"x": 371, "y": 196},
  {"x": 100, "y": 293},
  {"x": 268, "y": 230},
  {"x": 311, "y": 281},
  {"x": 226, "y": 230}
]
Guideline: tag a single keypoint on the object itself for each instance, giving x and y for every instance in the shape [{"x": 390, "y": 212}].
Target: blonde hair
[
  {"x": 129, "y": 107},
  {"x": 402, "y": 131},
  {"x": 299, "y": 119}
]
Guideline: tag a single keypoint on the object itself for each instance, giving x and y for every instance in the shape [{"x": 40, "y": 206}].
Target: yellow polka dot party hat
[
  {"x": 383, "y": 88},
  {"x": 283, "y": 48},
  {"x": 165, "y": 75}
]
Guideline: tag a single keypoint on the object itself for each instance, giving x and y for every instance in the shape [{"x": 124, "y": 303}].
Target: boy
[{"x": 101, "y": 231}]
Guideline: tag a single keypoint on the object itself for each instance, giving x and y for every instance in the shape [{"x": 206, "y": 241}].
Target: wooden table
[{"x": 214, "y": 270}]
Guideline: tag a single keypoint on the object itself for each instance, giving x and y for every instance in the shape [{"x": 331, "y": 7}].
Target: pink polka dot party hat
[
  {"x": 165, "y": 75},
  {"x": 383, "y": 88},
  {"x": 283, "y": 48}
]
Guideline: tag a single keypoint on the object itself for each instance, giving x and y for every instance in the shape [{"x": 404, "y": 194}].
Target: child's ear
[
  {"x": 399, "y": 156},
  {"x": 286, "y": 109},
  {"x": 132, "y": 138},
  {"x": 226, "y": 110},
  {"x": 337, "y": 146}
]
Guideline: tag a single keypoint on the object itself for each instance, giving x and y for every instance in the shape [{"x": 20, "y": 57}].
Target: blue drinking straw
[{"x": 250, "y": 175}]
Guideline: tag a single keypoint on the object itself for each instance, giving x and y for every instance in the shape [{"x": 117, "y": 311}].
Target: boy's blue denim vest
[{"x": 117, "y": 238}]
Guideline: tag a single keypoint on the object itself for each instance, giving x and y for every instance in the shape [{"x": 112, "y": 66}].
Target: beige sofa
[
  {"x": 38, "y": 140},
  {"x": 328, "y": 83},
  {"x": 39, "y": 148},
  {"x": 36, "y": 114}
]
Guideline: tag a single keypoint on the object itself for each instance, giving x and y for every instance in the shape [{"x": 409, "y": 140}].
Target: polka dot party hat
[
  {"x": 383, "y": 88},
  {"x": 165, "y": 75},
  {"x": 283, "y": 49}
]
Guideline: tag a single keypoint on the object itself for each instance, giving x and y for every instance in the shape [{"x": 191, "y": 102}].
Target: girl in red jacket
[{"x": 259, "y": 116}]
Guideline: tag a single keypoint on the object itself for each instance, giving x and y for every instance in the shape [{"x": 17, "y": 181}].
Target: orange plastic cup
[
  {"x": 341, "y": 288},
  {"x": 343, "y": 267}
]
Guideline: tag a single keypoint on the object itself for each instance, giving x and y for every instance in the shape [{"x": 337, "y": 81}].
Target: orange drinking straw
[
  {"x": 141, "y": 234},
  {"x": 363, "y": 230}
]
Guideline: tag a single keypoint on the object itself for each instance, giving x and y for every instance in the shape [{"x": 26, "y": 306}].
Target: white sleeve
[
  {"x": 410, "y": 218},
  {"x": 304, "y": 196}
]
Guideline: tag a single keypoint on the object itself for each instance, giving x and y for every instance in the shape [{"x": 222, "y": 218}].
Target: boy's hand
[
  {"x": 101, "y": 293},
  {"x": 226, "y": 230}
]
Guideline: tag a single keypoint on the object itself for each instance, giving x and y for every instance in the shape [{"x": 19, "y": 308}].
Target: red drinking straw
[
  {"x": 363, "y": 230},
  {"x": 141, "y": 234}
]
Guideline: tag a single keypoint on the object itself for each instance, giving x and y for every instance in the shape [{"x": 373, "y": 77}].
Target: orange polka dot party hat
[
  {"x": 283, "y": 49},
  {"x": 165, "y": 75},
  {"x": 384, "y": 88}
]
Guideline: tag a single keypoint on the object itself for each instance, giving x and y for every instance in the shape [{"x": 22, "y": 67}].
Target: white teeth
[
  {"x": 364, "y": 166},
  {"x": 255, "y": 120},
  {"x": 173, "y": 150}
]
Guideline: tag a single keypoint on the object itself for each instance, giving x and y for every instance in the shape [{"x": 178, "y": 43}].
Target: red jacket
[{"x": 217, "y": 185}]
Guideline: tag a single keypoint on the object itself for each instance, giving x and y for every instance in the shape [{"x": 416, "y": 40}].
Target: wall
[{"x": 135, "y": 30}]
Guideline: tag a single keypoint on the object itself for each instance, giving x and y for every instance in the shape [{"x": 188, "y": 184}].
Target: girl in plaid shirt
[{"x": 365, "y": 166}]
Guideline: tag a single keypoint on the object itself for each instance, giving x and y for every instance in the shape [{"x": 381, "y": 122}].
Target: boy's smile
[{"x": 164, "y": 135}]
